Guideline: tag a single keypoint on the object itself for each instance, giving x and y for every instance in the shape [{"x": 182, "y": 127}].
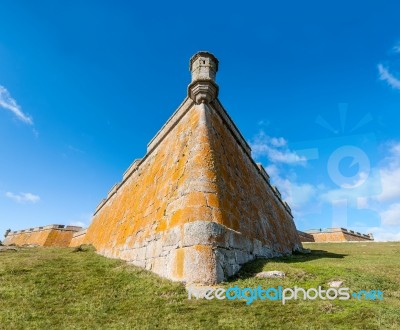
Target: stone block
[
  {"x": 203, "y": 233},
  {"x": 271, "y": 274},
  {"x": 242, "y": 257},
  {"x": 173, "y": 237}
]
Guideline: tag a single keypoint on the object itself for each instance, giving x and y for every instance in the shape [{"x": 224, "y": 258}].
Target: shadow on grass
[{"x": 253, "y": 267}]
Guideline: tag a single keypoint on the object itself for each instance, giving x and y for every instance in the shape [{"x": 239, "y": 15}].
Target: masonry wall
[
  {"x": 305, "y": 237},
  {"x": 351, "y": 237},
  {"x": 28, "y": 238},
  {"x": 48, "y": 236},
  {"x": 61, "y": 238},
  {"x": 78, "y": 238},
  {"x": 339, "y": 235},
  {"x": 250, "y": 207},
  {"x": 146, "y": 220},
  {"x": 196, "y": 207},
  {"x": 329, "y": 237}
]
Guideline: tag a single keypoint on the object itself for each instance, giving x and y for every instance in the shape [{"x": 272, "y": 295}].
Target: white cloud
[
  {"x": 78, "y": 224},
  {"x": 377, "y": 191},
  {"x": 23, "y": 197},
  {"x": 302, "y": 197},
  {"x": 275, "y": 149},
  {"x": 280, "y": 161},
  {"x": 363, "y": 203},
  {"x": 263, "y": 123},
  {"x": 272, "y": 170},
  {"x": 391, "y": 216},
  {"x": 381, "y": 184},
  {"x": 284, "y": 156},
  {"x": 388, "y": 236},
  {"x": 386, "y": 202},
  {"x": 382, "y": 234},
  {"x": 365, "y": 190},
  {"x": 79, "y": 151},
  {"x": 386, "y": 75},
  {"x": 396, "y": 48},
  {"x": 390, "y": 174},
  {"x": 390, "y": 184},
  {"x": 278, "y": 142},
  {"x": 296, "y": 194},
  {"x": 82, "y": 220},
  {"x": 8, "y": 103}
]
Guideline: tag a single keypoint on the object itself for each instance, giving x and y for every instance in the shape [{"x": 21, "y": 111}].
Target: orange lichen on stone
[
  {"x": 196, "y": 207},
  {"x": 205, "y": 177},
  {"x": 159, "y": 192},
  {"x": 179, "y": 264},
  {"x": 335, "y": 235},
  {"x": 59, "y": 238},
  {"x": 247, "y": 202},
  {"x": 48, "y": 236},
  {"x": 78, "y": 238}
]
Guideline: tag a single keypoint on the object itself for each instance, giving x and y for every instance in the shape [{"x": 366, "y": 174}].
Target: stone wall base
[{"x": 197, "y": 252}]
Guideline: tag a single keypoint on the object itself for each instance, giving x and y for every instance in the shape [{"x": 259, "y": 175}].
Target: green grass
[{"x": 60, "y": 289}]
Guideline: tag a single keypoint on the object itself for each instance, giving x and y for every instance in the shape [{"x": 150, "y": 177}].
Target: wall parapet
[
  {"x": 113, "y": 190},
  {"x": 263, "y": 172},
  {"x": 170, "y": 124},
  {"x": 166, "y": 129},
  {"x": 134, "y": 166},
  {"x": 160, "y": 136},
  {"x": 42, "y": 228},
  {"x": 80, "y": 233},
  {"x": 232, "y": 126},
  {"x": 226, "y": 119},
  {"x": 305, "y": 237}
]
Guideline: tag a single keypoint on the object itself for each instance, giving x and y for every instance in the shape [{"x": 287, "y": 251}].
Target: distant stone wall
[
  {"x": 304, "y": 237},
  {"x": 339, "y": 235},
  {"x": 52, "y": 235},
  {"x": 351, "y": 235},
  {"x": 78, "y": 238}
]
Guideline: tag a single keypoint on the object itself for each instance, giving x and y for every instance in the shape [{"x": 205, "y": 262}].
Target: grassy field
[{"x": 62, "y": 289}]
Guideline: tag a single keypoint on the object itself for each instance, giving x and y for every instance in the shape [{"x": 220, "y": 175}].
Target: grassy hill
[{"x": 45, "y": 288}]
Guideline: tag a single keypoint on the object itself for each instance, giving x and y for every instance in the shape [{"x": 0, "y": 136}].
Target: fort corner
[{"x": 196, "y": 206}]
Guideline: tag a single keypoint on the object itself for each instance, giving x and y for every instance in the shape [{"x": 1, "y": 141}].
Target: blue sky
[{"x": 313, "y": 86}]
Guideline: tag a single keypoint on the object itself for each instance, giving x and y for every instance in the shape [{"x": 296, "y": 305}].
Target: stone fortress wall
[
  {"x": 305, "y": 237},
  {"x": 333, "y": 235},
  {"x": 78, "y": 238},
  {"x": 52, "y": 235},
  {"x": 196, "y": 207}
]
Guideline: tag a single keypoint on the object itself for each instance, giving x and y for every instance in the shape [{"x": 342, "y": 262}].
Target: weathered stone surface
[
  {"x": 204, "y": 232},
  {"x": 271, "y": 274},
  {"x": 196, "y": 207},
  {"x": 8, "y": 248},
  {"x": 52, "y": 235},
  {"x": 78, "y": 238},
  {"x": 335, "y": 284},
  {"x": 173, "y": 237}
]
